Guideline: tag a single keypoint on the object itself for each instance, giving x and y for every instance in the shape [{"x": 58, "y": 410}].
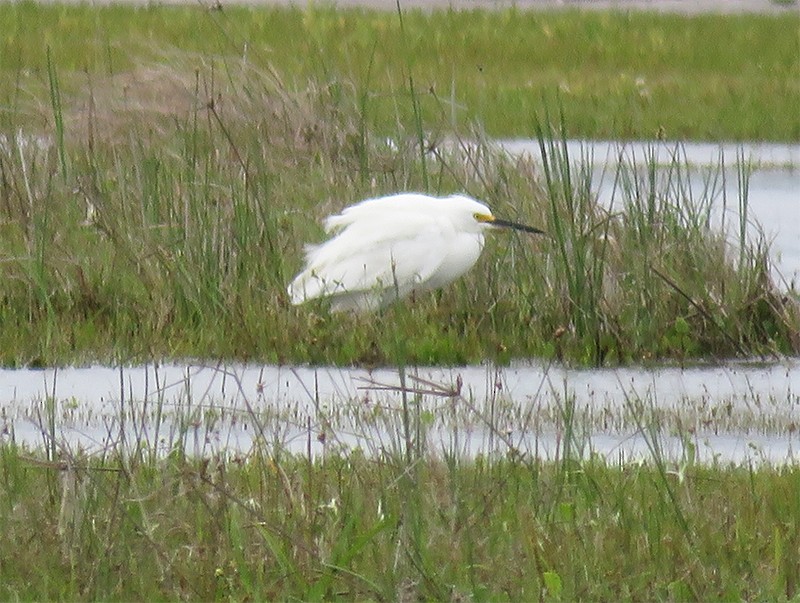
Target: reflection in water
[{"x": 737, "y": 413}]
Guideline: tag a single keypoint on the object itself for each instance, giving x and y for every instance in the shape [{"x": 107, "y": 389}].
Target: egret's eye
[{"x": 485, "y": 218}]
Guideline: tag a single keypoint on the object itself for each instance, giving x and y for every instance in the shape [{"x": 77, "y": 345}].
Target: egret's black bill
[{"x": 516, "y": 226}]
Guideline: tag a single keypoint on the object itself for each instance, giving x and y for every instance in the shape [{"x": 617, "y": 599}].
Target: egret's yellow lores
[{"x": 388, "y": 248}]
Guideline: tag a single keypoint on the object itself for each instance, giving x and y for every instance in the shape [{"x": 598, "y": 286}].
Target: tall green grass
[
  {"x": 153, "y": 232},
  {"x": 351, "y": 527}
]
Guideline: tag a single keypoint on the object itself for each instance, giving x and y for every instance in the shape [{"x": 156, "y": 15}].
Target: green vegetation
[
  {"x": 423, "y": 493},
  {"x": 178, "y": 240},
  {"x": 637, "y": 75},
  {"x": 160, "y": 169},
  {"x": 155, "y": 200},
  {"x": 278, "y": 528}
]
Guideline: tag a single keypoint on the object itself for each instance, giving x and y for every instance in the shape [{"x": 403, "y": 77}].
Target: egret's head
[{"x": 474, "y": 216}]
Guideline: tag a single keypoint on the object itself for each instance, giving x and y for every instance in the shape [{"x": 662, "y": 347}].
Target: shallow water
[
  {"x": 773, "y": 198},
  {"x": 761, "y": 155},
  {"x": 739, "y": 413}
]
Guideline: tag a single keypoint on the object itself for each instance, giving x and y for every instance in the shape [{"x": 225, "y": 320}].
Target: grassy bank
[
  {"x": 639, "y": 75},
  {"x": 266, "y": 527},
  {"x": 178, "y": 239},
  {"x": 155, "y": 201}
]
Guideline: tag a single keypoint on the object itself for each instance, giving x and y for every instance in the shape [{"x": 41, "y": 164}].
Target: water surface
[
  {"x": 739, "y": 413},
  {"x": 773, "y": 185}
]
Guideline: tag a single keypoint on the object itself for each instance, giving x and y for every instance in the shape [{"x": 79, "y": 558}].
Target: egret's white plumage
[{"x": 386, "y": 248}]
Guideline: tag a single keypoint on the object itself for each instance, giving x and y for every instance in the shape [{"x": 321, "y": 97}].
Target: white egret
[{"x": 387, "y": 248}]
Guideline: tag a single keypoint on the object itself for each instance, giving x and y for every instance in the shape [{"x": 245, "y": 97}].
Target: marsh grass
[
  {"x": 270, "y": 525},
  {"x": 132, "y": 232},
  {"x": 155, "y": 206},
  {"x": 636, "y": 75},
  {"x": 166, "y": 505}
]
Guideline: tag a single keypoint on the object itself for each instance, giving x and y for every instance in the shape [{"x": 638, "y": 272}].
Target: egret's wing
[
  {"x": 372, "y": 261},
  {"x": 404, "y": 206}
]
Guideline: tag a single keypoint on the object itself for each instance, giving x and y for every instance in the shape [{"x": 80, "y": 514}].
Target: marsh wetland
[{"x": 608, "y": 413}]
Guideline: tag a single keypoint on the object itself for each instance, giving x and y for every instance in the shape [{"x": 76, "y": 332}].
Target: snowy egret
[{"x": 387, "y": 248}]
